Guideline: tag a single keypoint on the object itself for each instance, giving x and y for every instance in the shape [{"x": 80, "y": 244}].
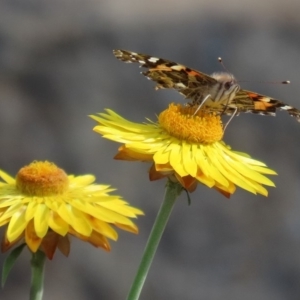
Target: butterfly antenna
[
  {"x": 222, "y": 64},
  {"x": 269, "y": 82}
]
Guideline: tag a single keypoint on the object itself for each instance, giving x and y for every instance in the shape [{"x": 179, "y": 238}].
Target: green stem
[
  {"x": 37, "y": 275},
  {"x": 172, "y": 191}
]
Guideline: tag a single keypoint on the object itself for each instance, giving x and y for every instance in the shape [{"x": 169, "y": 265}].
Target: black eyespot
[{"x": 228, "y": 84}]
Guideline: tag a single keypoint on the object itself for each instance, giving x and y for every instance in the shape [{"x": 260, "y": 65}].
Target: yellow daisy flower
[
  {"x": 43, "y": 206},
  {"x": 187, "y": 148}
]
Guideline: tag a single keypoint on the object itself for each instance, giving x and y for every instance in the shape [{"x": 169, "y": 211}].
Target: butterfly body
[{"x": 218, "y": 92}]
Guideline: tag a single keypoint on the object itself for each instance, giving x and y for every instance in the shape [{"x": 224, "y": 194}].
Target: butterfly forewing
[
  {"x": 167, "y": 74},
  {"x": 247, "y": 101}
]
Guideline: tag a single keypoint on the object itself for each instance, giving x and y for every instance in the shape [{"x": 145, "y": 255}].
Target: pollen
[
  {"x": 42, "y": 179},
  {"x": 182, "y": 123}
]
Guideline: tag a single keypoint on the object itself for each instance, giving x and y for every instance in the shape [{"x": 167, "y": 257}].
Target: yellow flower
[
  {"x": 187, "y": 148},
  {"x": 43, "y": 206}
]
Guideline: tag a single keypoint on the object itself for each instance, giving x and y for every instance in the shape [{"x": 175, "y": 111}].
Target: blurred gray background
[{"x": 57, "y": 67}]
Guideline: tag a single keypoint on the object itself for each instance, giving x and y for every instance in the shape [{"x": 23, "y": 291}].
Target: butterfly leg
[
  {"x": 201, "y": 104},
  {"x": 234, "y": 113}
]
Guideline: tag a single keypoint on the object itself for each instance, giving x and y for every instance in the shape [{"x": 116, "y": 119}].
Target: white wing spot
[
  {"x": 286, "y": 107},
  {"x": 153, "y": 59},
  {"x": 177, "y": 68},
  {"x": 265, "y": 99},
  {"x": 180, "y": 85}
]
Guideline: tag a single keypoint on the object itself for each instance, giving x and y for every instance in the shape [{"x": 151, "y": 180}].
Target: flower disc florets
[{"x": 180, "y": 122}]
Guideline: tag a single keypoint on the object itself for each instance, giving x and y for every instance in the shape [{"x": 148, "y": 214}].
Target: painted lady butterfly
[{"x": 219, "y": 92}]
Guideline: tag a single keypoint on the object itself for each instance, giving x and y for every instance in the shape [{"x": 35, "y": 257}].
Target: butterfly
[{"x": 218, "y": 92}]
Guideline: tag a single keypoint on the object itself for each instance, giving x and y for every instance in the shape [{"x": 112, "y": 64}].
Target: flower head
[
  {"x": 187, "y": 148},
  {"x": 43, "y": 206}
]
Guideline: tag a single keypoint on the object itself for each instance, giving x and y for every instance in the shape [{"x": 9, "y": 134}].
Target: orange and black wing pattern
[{"x": 192, "y": 84}]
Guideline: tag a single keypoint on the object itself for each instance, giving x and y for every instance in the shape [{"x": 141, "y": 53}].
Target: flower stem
[
  {"x": 37, "y": 275},
  {"x": 172, "y": 191}
]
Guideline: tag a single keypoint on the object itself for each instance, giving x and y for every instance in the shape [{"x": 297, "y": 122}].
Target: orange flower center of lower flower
[
  {"x": 180, "y": 122},
  {"x": 42, "y": 179}
]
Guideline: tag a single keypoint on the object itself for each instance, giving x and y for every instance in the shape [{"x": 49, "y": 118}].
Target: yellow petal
[
  {"x": 104, "y": 228},
  {"x": 57, "y": 224},
  {"x": 41, "y": 220},
  {"x": 16, "y": 225}
]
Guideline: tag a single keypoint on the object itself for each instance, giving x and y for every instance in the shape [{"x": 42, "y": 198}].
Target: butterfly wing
[
  {"x": 167, "y": 74},
  {"x": 195, "y": 85},
  {"x": 247, "y": 101}
]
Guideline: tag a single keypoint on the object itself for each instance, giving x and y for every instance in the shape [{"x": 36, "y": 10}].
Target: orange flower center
[
  {"x": 180, "y": 122},
  {"x": 42, "y": 179}
]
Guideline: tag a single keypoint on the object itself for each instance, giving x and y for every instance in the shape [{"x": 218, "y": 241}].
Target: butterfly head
[{"x": 227, "y": 86}]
